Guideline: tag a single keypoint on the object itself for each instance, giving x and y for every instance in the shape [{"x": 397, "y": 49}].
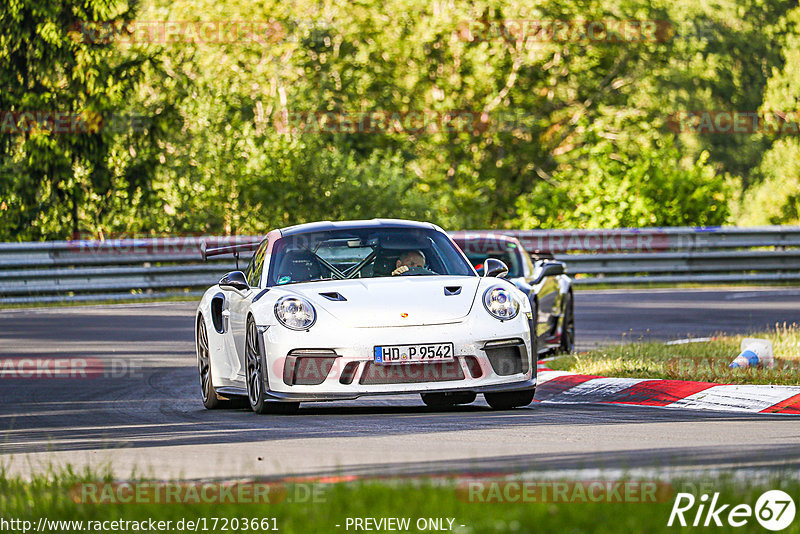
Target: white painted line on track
[
  {"x": 758, "y": 293},
  {"x": 737, "y": 398},
  {"x": 545, "y": 376},
  {"x": 686, "y": 341},
  {"x": 597, "y": 388}
]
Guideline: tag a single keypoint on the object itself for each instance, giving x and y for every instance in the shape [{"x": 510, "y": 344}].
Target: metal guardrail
[
  {"x": 673, "y": 255},
  {"x": 659, "y": 239},
  {"x": 148, "y": 268},
  {"x": 139, "y": 268}
]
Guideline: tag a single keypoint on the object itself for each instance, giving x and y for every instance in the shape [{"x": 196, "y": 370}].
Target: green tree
[
  {"x": 566, "y": 131},
  {"x": 56, "y": 181},
  {"x": 775, "y": 197},
  {"x": 612, "y": 188}
]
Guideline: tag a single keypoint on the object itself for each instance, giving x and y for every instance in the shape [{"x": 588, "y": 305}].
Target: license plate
[{"x": 428, "y": 352}]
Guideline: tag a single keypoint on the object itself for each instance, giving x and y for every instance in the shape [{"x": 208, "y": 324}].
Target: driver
[{"x": 408, "y": 260}]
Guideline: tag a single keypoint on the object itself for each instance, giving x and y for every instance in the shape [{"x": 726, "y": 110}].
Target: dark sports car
[{"x": 538, "y": 275}]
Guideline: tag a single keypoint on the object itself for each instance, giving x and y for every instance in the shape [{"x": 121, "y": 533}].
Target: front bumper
[
  {"x": 331, "y": 396},
  {"x": 338, "y": 363}
]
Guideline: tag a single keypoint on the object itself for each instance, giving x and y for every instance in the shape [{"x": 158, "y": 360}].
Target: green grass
[
  {"x": 53, "y": 497},
  {"x": 703, "y": 361}
]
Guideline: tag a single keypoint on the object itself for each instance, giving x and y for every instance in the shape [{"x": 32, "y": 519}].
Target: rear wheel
[
  {"x": 447, "y": 400},
  {"x": 567, "y": 344},
  {"x": 256, "y": 393},
  {"x": 510, "y": 399}
]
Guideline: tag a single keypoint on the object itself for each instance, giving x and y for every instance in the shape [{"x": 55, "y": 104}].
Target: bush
[{"x": 610, "y": 188}]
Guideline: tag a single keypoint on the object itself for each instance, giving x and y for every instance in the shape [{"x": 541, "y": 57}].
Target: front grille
[
  {"x": 348, "y": 373},
  {"x": 473, "y": 366},
  {"x": 411, "y": 373},
  {"x": 508, "y": 359},
  {"x": 306, "y": 370}
]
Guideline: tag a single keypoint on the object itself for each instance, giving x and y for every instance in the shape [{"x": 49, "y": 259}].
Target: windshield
[
  {"x": 364, "y": 253},
  {"x": 507, "y": 253}
]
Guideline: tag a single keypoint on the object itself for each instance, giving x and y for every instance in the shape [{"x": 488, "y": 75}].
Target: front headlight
[
  {"x": 498, "y": 301},
  {"x": 295, "y": 313}
]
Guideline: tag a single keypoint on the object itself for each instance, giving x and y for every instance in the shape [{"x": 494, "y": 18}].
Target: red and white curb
[{"x": 561, "y": 387}]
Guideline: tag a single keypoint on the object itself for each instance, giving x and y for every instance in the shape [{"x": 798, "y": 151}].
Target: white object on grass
[{"x": 755, "y": 352}]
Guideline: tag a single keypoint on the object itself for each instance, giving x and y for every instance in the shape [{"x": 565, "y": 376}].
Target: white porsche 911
[{"x": 336, "y": 310}]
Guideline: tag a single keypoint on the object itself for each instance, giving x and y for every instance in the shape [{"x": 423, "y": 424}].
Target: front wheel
[
  {"x": 507, "y": 400},
  {"x": 256, "y": 393},
  {"x": 567, "y": 344},
  {"x": 534, "y": 327}
]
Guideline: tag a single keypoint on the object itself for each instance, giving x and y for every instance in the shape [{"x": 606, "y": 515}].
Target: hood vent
[
  {"x": 334, "y": 296},
  {"x": 452, "y": 290}
]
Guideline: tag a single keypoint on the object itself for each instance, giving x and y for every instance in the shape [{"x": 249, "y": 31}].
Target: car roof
[{"x": 324, "y": 226}]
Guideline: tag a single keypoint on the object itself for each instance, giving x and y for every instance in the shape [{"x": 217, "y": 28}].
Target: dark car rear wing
[
  {"x": 227, "y": 249},
  {"x": 537, "y": 255}
]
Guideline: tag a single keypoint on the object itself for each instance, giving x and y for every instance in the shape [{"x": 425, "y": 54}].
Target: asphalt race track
[{"x": 146, "y": 417}]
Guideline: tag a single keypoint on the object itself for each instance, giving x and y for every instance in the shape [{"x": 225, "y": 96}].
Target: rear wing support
[{"x": 236, "y": 250}]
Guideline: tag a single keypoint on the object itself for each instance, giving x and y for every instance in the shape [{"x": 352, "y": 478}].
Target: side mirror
[
  {"x": 494, "y": 268},
  {"x": 234, "y": 280},
  {"x": 550, "y": 268}
]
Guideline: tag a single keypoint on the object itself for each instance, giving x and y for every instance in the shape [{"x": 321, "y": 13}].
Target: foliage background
[{"x": 201, "y": 152}]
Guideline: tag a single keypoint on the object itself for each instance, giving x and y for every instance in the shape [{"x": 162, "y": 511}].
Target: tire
[
  {"x": 567, "y": 345},
  {"x": 254, "y": 376},
  {"x": 448, "y": 400},
  {"x": 510, "y": 399},
  {"x": 207, "y": 392},
  {"x": 534, "y": 335}
]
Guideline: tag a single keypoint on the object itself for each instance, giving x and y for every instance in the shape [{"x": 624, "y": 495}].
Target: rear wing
[
  {"x": 538, "y": 255},
  {"x": 207, "y": 252}
]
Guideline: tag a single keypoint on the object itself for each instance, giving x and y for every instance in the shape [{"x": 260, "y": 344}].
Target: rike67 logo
[{"x": 774, "y": 510}]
